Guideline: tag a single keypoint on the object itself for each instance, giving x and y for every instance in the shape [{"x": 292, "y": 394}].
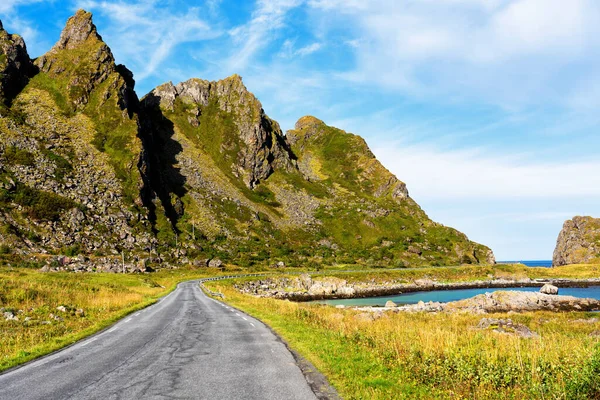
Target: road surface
[{"x": 187, "y": 346}]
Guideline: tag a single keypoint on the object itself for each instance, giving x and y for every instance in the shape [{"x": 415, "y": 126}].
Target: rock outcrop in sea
[{"x": 578, "y": 242}]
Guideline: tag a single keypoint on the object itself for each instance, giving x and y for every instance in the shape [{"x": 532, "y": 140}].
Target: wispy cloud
[
  {"x": 257, "y": 34},
  {"x": 145, "y": 34},
  {"x": 288, "y": 49}
]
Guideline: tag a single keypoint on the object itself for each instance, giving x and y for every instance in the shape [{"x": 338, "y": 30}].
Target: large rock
[
  {"x": 215, "y": 263},
  {"x": 578, "y": 242},
  {"x": 506, "y": 326},
  {"x": 329, "y": 286},
  {"x": 549, "y": 289},
  {"x": 504, "y": 301}
]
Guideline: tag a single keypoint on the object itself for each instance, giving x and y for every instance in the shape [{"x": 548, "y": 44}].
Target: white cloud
[
  {"x": 306, "y": 50},
  {"x": 476, "y": 174},
  {"x": 24, "y": 29},
  {"x": 288, "y": 49},
  {"x": 508, "y": 52}
]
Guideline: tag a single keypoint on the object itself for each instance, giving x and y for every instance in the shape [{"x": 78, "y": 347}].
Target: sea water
[
  {"x": 530, "y": 263},
  {"x": 444, "y": 296}
]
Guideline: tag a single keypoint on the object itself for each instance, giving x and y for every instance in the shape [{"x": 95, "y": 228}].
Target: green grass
[
  {"x": 438, "y": 355},
  {"x": 14, "y": 155},
  {"x": 55, "y": 87},
  {"x": 38, "y": 204},
  {"x": 63, "y": 166}
]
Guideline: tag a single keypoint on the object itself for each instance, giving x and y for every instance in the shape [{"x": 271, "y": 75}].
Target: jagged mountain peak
[
  {"x": 230, "y": 92},
  {"x": 79, "y": 28},
  {"x": 82, "y": 61},
  {"x": 328, "y": 153},
  {"x": 251, "y": 144}
]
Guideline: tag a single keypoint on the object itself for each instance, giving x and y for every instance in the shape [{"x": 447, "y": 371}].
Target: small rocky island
[{"x": 578, "y": 242}]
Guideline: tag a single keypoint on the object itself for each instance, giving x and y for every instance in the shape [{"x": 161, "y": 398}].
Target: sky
[{"x": 487, "y": 109}]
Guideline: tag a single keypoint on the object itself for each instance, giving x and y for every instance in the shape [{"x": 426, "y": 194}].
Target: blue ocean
[{"x": 530, "y": 263}]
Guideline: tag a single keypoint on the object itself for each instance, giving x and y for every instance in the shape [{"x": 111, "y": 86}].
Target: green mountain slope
[
  {"x": 194, "y": 171},
  {"x": 71, "y": 156},
  {"x": 315, "y": 195}
]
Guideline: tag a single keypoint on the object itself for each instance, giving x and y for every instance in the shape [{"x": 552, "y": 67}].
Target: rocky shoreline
[
  {"x": 497, "y": 302},
  {"x": 304, "y": 288}
]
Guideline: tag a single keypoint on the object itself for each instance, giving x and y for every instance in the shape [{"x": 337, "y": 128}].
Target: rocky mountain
[
  {"x": 578, "y": 242},
  {"x": 192, "y": 172}
]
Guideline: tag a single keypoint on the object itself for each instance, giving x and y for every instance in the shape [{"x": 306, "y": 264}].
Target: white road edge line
[
  {"x": 252, "y": 324},
  {"x": 89, "y": 341},
  {"x": 245, "y": 319},
  {"x": 127, "y": 320},
  {"x": 112, "y": 330}
]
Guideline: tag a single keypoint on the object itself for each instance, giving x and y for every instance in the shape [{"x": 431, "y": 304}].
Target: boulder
[
  {"x": 506, "y": 326},
  {"x": 203, "y": 262},
  {"x": 9, "y": 316},
  {"x": 390, "y": 303},
  {"x": 549, "y": 289},
  {"x": 215, "y": 263},
  {"x": 304, "y": 282},
  {"x": 346, "y": 291}
]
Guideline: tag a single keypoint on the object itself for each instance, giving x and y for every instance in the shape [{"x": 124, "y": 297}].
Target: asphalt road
[{"x": 187, "y": 346}]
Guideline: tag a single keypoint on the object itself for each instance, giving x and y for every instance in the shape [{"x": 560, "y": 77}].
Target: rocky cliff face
[
  {"x": 253, "y": 142},
  {"x": 578, "y": 242},
  {"x": 15, "y": 65},
  {"x": 194, "y": 171}
]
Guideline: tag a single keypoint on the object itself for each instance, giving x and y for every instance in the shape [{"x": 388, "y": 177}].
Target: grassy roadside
[
  {"x": 440, "y": 355},
  {"x": 34, "y": 297}
]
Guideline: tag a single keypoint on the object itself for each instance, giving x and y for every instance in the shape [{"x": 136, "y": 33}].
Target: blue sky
[{"x": 487, "y": 109}]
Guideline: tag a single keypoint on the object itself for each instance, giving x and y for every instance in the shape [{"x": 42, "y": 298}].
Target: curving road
[{"x": 187, "y": 346}]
